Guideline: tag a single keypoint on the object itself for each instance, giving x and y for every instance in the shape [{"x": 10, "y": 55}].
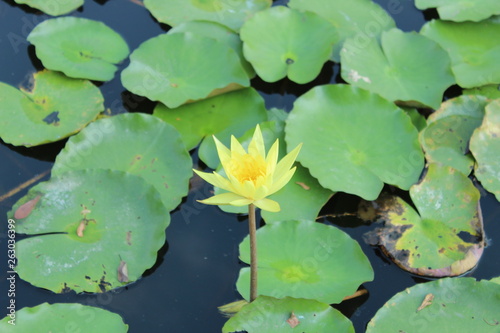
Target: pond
[{"x": 197, "y": 268}]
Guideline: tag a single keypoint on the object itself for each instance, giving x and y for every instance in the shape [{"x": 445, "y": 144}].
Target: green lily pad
[
  {"x": 79, "y": 47},
  {"x": 274, "y": 39},
  {"x": 53, "y": 108},
  {"x": 349, "y": 140},
  {"x": 446, "y": 138},
  {"x": 462, "y": 10},
  {"x": 86, "y": 226},
  {"x": 54, "y": 8},
  {"x": 229, "y": 13},
  {"x": 407, "y": 68},
  {"x": 491, "y": 91},
  {"x": 417, "y": 119},
  {"x": 327, "y": 266},
  {"x": 224, "y": 115},
  {"x": 218, "y": 32},
  {"x": 266, "y": 314},
  {"x": 430, "y": 242},
  {"x": 178, "y": 74},
  {"x": 301, "y": 199},
  {"x": 496, "y": 280},
  {"x": 64, "y": 317},
  {"x": 136, "y": 143},
  {"x": 453, "y": 305},
  {"x": 362, "y": 20},
  {"x": 473, "y": 49},
  {"x": 485, "y": 146}
]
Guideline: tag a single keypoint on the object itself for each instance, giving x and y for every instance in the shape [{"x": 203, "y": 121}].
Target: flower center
[{"x": 247, "y": 167}]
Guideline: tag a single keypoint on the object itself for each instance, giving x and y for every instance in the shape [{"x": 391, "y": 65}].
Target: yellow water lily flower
[{"x": 251, "y": 176}]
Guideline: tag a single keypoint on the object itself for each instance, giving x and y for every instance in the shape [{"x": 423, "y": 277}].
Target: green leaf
[
  {"x": 54, "y": 8},
  {"x": 407, "y": 68},
  {"x": 362, "y": 20},
  {"x": 79, "y": 47},
  {"x": 473, "y": 49},
  {"x": 461, "y": 10},
  {"x": 305, "y": 259},
  {"x": 354, "y": 140},
  {"x": 53, "y": 108},
  {"x": 491, "y": 91},
  {"x": 179, "y": 74},
  {"x": 485, "y": 146},
  {"x": 229, "y": 13},
  {"x": 218, "y": 32},
  {"x": 457, "y": 305},
  {"x": 266, "y": 312},
  {"x": 123, "y": 222},
  {"x": 136, "y": 143},
  {"x": 274, "y": 39},
  {"x": 64, "y": 317},
  {"x": 417, "y": 119},
  {"x": 224, "y": 115},
  {"x": 430, "y": 244},
  {"x": 446, "y": 138}
]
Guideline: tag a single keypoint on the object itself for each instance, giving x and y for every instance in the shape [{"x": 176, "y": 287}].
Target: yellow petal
[
  {"x": 261, "y": 192},
  {"x": 268, "y": 204},
  {"x": 286, "y": 162},
  {"x": 215, "y": 179},
  {"x": 272, "y": 157},
  {"x": 281, "y": 182},
  {"x": 256, "y": 146},
  {"x": 236, "y": 146},
  {"x": 248, "y": 190},
  {"x": 241, "y": 202},
  {"x": 223, "y": 152},
  {"x": 221, "y": 199}
]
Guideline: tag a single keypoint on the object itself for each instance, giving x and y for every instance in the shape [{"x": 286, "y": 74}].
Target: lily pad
[
  {"x": 349, "y": 140},
  {"x": 444, "y": 238},
  {"x": 285, "y": 315},
  {"x": 362, "y": 20},
  {"x": 485, "y": 146},
  {"x": 54, "y": 8},
  {"x": 229, "y": 13},
  {"x": 86, "y": 225},
  {"x": 53, "y": 108},
  {"x": 327, "y": 266},
  {"x": 473, "y": 49},
  {"x": 64, "y": 317},
  {"x": 461, "y": 10},
  {"x": 417, "y": 119},
  {"x": 136, "y": 143},
  {"x": 453, "y": 305},
  {"x": 79, "y": 47},
  {"x": 218, "y": 32},
  {"x": 178, "y": 74},
  {"x": 224, "y": 115},
  {"x": 446, "y": 138},
  {"x": 274, "y": 39},
  {"x": 491, "y": 91},
  {"x": 406, "y": 68}
]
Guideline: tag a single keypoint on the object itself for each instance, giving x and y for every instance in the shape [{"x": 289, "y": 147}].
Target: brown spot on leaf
[
  {"x": 122, "y": 272},
  {"x": 293, "y": 321},
  {"x": 25, "y": 209},
  {"x": 426, "y": 302},
  {"x": 304, "y": 186},
  {"x": 129, "y": 237}
]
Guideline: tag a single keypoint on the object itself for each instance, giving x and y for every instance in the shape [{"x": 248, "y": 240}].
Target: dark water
[{"x": 197, "y": 270}]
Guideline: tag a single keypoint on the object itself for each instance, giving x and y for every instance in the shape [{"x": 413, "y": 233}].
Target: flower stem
[{"x": 252, "y": 228}]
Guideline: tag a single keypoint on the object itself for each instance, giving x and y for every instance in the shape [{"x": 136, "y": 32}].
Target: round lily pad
[
  {"x": 444, "y": 238},
  {"x": 446, "y": 138},
  {"x": 53, "y": 108},
  {"x": 63, "y": 317},
  {"x": 219, "y": 32},
  {"x": 403, "y": 67},
  {"x": 485, "y": 146},
  {"x": 472, "y": 47},
  {"x": 79, "y": 47},
  {"x": 288, "y": 315},
  {"x": 177, "y": 74},
  {"x": 91, "y": 231},
  {"x": 362, "y": 20},
  {"x": 446, "y": 305},
  {"x": 354, "y": 140},
  {"x": 274, "y": 39},
  {"x": 54, "y": 8},
  {"x": 462, "y": 10},
  {"x": 137, "y": 143},
  {"x": 327, "y": 266},
  {"x": 232, "y": 13},
  {"x": 224, "y": 115},
  {"x": 491, "y": 91}
]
